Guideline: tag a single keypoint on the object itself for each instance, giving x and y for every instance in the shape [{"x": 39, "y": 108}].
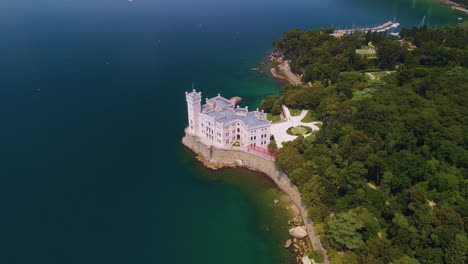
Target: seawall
[{"x": 215, "y": 158}]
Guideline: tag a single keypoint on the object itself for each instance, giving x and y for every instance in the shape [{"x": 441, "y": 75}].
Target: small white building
[{"x": 220, "y": 123}]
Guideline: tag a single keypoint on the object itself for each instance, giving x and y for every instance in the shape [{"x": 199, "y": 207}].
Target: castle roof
[
  {"x": 222, "y": 111},
  {"x": 194, "y": 95},
  {"x": 220, "y": 103}
]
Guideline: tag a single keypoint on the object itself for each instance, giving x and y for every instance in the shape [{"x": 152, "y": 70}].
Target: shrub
[
  {"x": 316, "y": 256},
  {"x": 272, "y": 147}
]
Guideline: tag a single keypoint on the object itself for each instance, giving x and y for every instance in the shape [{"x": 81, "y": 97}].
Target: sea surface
[{"x": 92, "y": 112}]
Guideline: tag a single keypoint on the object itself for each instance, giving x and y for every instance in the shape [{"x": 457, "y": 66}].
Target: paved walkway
[
  {"x": 372, "y": 77},
  {"x": 279, "y": 129},
  {"x": 290, "y": 76}
]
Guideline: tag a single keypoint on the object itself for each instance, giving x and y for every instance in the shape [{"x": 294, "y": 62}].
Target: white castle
[{"x": 220, "y": 123}]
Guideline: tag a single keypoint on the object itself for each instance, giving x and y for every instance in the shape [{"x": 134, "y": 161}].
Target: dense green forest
[{"x": 385, "y": 178}]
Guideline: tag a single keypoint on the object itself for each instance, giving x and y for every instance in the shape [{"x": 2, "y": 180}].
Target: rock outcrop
[
  {"x": 306, "y": 260},
  {"x": 236, "y": 99},
  {"x": 298, "y": 232}
]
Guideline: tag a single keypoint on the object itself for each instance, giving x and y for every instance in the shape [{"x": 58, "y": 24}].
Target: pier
[{"x": 380, "y": 28}]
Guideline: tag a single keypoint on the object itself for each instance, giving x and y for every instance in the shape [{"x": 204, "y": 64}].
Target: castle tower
[{"x": 194, "y": 109}]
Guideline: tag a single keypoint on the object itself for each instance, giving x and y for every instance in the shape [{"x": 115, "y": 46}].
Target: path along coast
[{"x": 215, "y": 158}]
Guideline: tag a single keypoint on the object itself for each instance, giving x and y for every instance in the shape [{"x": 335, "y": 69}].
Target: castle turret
[{"x": 194, "y": 109}]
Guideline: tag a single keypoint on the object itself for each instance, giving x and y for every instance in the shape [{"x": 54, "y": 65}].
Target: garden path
[{"x": 279, "y": 129}]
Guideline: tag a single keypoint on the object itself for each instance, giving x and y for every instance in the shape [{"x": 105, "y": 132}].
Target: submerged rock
[
  {"x": 298, "y": 232},
  {"x": 275, "y": 201},
  {"x": 296, "y": 221},
  {"x": 288, "y": 243}
]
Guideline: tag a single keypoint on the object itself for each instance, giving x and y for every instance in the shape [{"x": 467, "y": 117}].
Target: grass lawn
[
  {"x": 295, "y": 112},
  {"x": 307, "y": 119},
  {"x": 299, "y": 130},
  {"x": 370, "y": 56},
  {"x": 273, "y": 118}
]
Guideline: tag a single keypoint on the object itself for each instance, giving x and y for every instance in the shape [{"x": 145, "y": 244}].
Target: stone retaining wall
[{"x": 215, "y": 158}]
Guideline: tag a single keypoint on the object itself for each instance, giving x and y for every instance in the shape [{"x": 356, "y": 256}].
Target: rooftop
[
  {"x": 223, "y": 111},
  {"x": 194, "y": 95},
  {"x": 220, "y": 103}
]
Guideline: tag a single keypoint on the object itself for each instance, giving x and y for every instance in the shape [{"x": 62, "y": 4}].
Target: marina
[{"x": 380, "y": 28}]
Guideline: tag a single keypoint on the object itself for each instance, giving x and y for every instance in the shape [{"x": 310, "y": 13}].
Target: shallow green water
[{"x": 92, "y": 112}]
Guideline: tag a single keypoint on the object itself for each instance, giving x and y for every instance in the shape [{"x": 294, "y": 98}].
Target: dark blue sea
[{"x": 92, "y": 111}]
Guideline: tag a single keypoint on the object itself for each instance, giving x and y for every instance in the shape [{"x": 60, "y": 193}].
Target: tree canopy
[{"x": 387, "y": 173}]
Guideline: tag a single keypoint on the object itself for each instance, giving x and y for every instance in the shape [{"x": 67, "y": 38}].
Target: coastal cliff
[{"x": 215, "y": 158}]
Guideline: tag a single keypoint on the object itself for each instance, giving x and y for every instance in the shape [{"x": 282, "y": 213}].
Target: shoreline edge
[{"x": 216, "y": 158}]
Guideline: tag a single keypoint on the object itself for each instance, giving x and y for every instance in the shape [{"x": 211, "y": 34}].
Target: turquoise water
[{"x": 92, "y": 111}]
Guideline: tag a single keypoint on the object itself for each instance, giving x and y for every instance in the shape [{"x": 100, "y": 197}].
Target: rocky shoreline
[
  {"x": 303, "y": 236},
  {"x": 281, "y": 68},
  {"x": 298, "y": 245}
]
